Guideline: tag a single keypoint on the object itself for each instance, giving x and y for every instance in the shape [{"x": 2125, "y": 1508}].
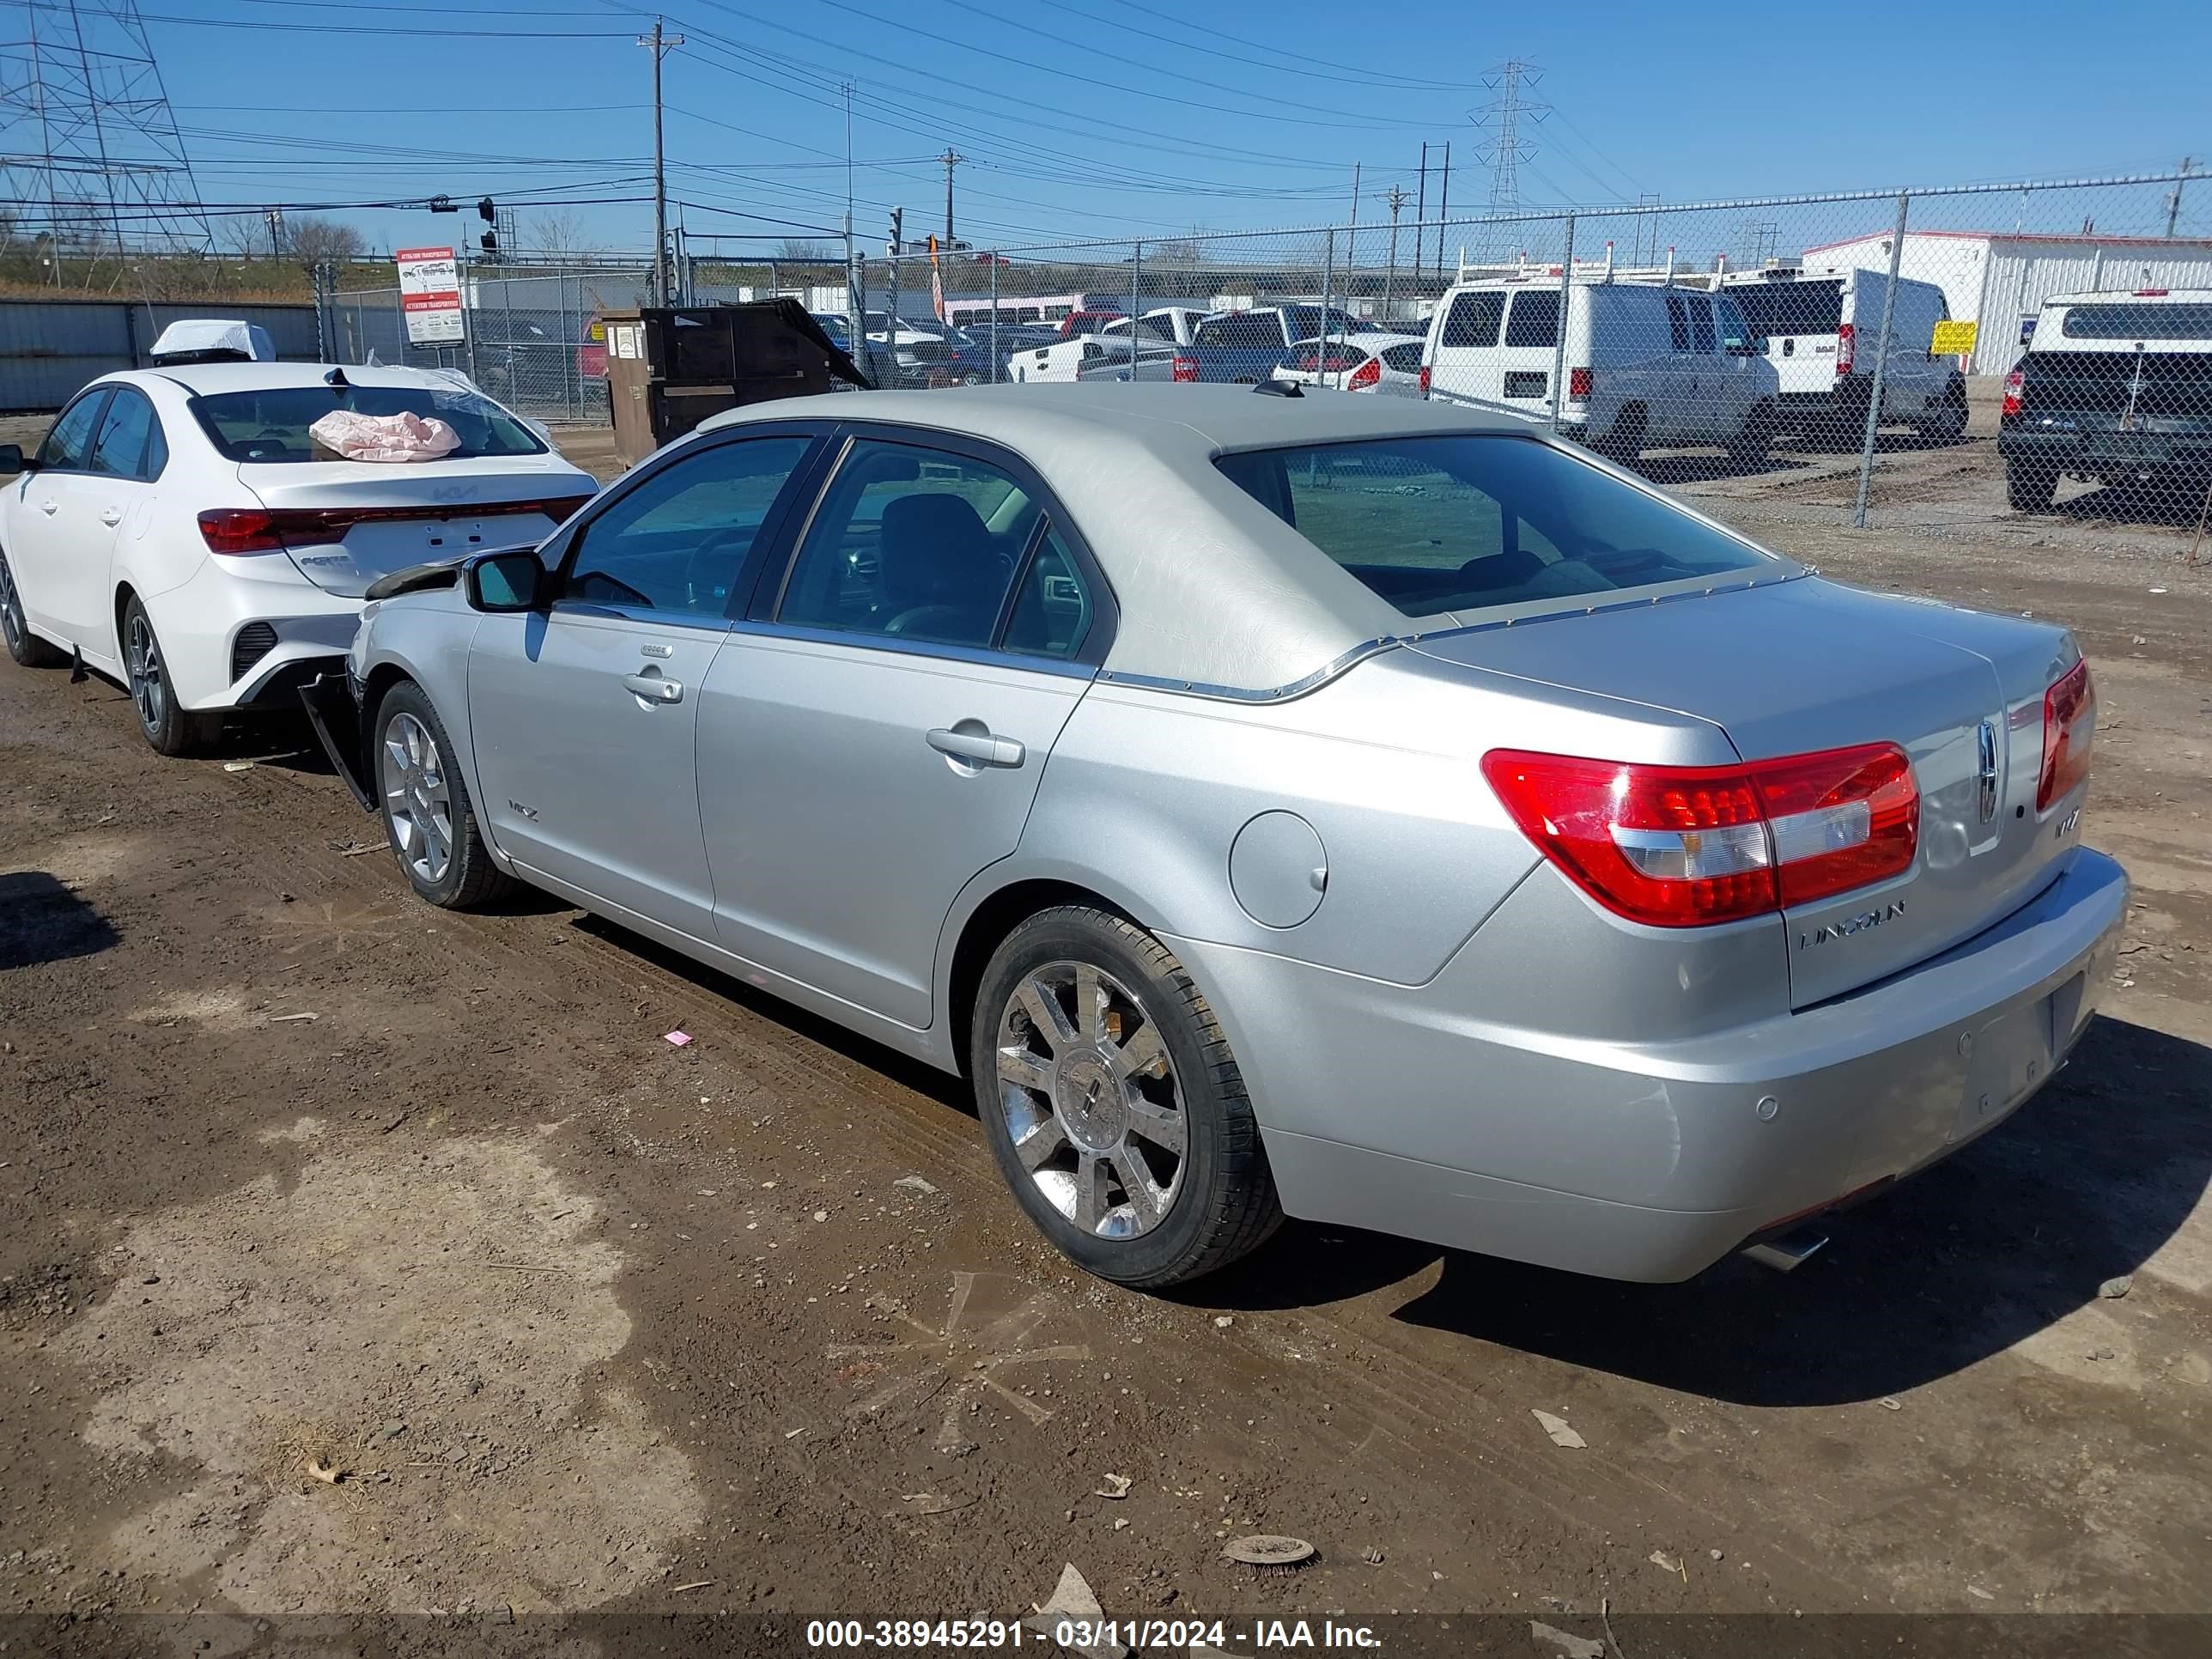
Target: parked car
[
  {"x": 1386, "y": 364},
  {"x": 1175, "y": 325},
  {"x": 179, "y": 530},
  {"x": 1644, "y": 365},
  {"x": 1154, "y": 756},
  {"x": 2115, "y": 387},
  {"x": 1079, "y": 356},
  {"x": 1822, "y": 330},
  {"x": 1155, "y": 360},
  {"x": 1244, "y": 347}
]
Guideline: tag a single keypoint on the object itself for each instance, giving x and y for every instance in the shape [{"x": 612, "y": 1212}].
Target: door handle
[
  {"x": 654, "y": 687},
  {"x": 111, "y": 516},
  {"x": 977, "y": 748},
  {"x": 50, "y": 507}
]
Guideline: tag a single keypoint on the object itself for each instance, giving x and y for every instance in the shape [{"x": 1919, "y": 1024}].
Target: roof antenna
[
  {"x": 1272, "y": 388},
  {"x": 336, "y": 378}
]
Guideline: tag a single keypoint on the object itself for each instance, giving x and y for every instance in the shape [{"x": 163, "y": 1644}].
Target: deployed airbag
[{"x": 403, "y": 437}]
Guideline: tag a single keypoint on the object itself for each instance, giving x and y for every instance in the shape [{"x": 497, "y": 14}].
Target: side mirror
[
  {"x": 500, "y": 582},
  {"x": 12, "y": 460}
]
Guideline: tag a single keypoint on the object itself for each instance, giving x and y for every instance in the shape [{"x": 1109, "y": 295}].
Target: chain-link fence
[{"x": 1812, "y": 358}]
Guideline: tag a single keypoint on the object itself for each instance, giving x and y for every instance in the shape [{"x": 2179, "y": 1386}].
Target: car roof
[
  {"x": 207, "y": 380},
  {"x": 1214, "y": 590},
  {"x": 2112, "y": 297}
]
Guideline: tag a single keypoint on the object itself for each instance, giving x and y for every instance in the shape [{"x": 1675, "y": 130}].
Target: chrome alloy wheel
[
  {"x": 1092, "y": 1104},
  {"x": 150, "y": 687},
  {"x": 415, "y": 797}
]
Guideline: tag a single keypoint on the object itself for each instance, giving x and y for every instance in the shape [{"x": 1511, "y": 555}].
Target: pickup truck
[
  {"x": 1244, "y": 347},
  {"x": 2115, "y": 387}
]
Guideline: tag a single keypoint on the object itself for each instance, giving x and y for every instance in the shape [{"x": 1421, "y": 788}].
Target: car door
[
  {"x": 584, "y": 715},
  {"x": 1467, "y": 348},
  {"x": 1526, "y": 360},
  {"x": 1723, "y": 388},
  {"x": 874, "y": 738},
  {"x": 53, "y": 527},
  {"x": 116, "y": 486},
  {"x": 1680, "y": 416}
]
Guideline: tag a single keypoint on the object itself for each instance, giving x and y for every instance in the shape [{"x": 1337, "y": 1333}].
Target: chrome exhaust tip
[{"x": 1786, "y": 1252}]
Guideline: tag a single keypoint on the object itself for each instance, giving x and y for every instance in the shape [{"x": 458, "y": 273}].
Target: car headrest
[{"x": 934, "y": 550}]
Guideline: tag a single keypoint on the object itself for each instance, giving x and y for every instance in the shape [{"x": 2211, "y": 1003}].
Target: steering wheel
[{"x": 705, "y": 552}]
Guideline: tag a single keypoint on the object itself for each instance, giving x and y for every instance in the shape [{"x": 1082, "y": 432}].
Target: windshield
[
  {"x": 271, "y": 424},
  {"x": 1469, "y": 522}
]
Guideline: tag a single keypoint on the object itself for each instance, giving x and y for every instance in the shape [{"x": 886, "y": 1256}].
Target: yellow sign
[{"x": 1952, "y": 340}]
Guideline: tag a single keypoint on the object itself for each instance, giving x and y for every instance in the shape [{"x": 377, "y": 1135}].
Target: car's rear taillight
[
  {"x": 1579, "y": 381},
  {"x": 2070, "y": 732},
  {"x": 2015, "y": 383},
  {"x": 1366, "y": 377},
  {"x": 242, "y": 530},
  {"x": 1846, "y": 347},
  {"x": 1686, "y": 847},
  {"x": 1186, "y": 369},
  {"x": 1424, "y": 380}
]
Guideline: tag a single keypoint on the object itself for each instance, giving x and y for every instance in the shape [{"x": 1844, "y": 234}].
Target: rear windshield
[
  {"x": 270, "y": 425},
  {"x": 2125, "y": 322},
  {"x": 1473, "y": 521},
  {"x": 1791, "y": 308}
]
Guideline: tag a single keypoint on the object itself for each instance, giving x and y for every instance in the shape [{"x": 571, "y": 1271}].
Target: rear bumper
[
  {"x": 1682, "y": 1156},
  {"x": 2109, "y": 455},
  {"x": 198, "y": 623}
]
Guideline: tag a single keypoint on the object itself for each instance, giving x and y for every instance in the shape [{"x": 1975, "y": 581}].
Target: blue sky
[{"x": 1117, "y": 117}]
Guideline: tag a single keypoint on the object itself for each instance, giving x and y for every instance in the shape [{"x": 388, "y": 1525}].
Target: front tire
[
  {"x": 171, "y": 730},
  {"x": 26, "y": 649},
  {"x": 2028, "y": 487},
  {"x": 1113, "y": 1105},
  {"x": 428, "y": 819},
  {"x": 1624, "y": 445}
]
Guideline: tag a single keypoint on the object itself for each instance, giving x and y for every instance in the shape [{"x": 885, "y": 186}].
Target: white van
[
  {"x": 1646, "y": 365},
  {"x": 1822, "y": 329}
]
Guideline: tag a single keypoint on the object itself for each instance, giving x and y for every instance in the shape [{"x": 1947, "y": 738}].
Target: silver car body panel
[{"x": 1442, "y": 1035}]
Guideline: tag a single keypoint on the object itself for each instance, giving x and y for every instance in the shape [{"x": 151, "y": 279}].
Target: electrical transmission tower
[
  {"x": 1501, "y": 117},
  {"x": 90, "y": 155}
]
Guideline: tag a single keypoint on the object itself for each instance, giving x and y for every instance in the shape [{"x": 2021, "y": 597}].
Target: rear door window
[
  {"x": 1535, "y": 318},
  {"x": 1406, "y": 359},
  {"x": 2137, "y": 322},
  {"x": 1474, "y": 319},
  {"x": 1701, "y": 322},
  {"x": 1792, "y": 306},
  {"x": 120, "y": 450}
]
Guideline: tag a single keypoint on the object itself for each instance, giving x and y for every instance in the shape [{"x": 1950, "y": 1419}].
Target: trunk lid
[
  {"x": 1810, "y": 664},
  {"x": 347, "y": 523}
]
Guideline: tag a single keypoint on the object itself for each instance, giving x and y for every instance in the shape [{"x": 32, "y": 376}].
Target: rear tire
[
  {"x": 26, "y": 649},
  {"x": 2028, "y": 487},
  {"x": 1752, "y": 446},
  {"x": 428, "y": 820},
  {"x": 1948, "y": 424},
  {"x": 171, "y": 730},
  {"x": 1624, "y": 444},
  {"x": 1122, "y": 1124}
]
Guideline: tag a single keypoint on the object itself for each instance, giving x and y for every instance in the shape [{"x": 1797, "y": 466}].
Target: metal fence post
[
  {"x": 993, "y": 259},
  {"x": 1559, "y": 344},
  {"x": 1880, "y": 363},
  {"x": 399, "y": 317},
  {"x": 891, "y": 329},
  {"x": 1321, "y": 345},
  {"x": 1136, "y": 274}
]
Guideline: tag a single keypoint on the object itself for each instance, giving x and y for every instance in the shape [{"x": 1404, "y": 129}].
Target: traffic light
[
  {"x": 490, "y": 241},
  {"x": 898, "y": 222}
]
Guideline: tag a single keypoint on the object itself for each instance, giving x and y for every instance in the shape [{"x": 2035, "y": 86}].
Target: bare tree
[
  {"x": 798, "y": 250},
  {"x": 242, "y": 236},
  {"x": 562, "y": 234},
  {"x": 322, "y": 242}
]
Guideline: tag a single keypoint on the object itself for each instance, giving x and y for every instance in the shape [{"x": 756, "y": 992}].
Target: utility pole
[
  {"x": 661, "y": 44},
  {"x": 2173, "y": 197},
  {"x": 950, "y": 159},
  {"x": 1421, "y": 214},
  {"x": 1443, "y": 210},
  {"x": 1397, "y": 200}
]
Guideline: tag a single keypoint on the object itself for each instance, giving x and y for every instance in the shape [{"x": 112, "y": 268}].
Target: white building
[{"x": 1999, "y": 279}]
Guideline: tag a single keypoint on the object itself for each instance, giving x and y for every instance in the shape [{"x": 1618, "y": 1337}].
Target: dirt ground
[{"x": 360, "y": 1259}]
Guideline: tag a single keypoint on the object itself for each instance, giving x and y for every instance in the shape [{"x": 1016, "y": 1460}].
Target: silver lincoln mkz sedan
[{"x": 1354, "y": 809}]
